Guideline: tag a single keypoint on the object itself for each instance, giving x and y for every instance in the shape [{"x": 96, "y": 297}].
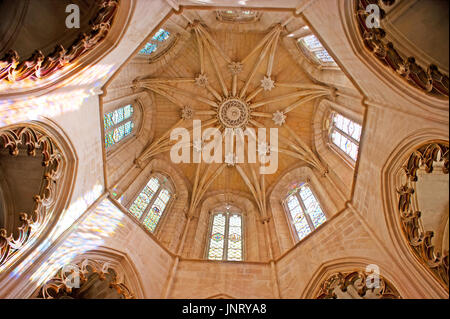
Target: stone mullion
[{"x": 305, "y": 212}]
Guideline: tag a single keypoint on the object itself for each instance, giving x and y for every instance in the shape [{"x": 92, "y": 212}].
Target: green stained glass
[
  {"x": 217, "y": 242},
  {"x": 114, "y": 133},
  {"x": 156, "y": 211},
  {"x": 117, "y": 116},
  {"x": 235, "y": 238},
  {"x": 226, "y": 237},
  {"x": 141, "y": 202}
]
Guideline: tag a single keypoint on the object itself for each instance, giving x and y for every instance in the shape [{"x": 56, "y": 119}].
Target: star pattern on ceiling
[{"x": 234, "y": 106}]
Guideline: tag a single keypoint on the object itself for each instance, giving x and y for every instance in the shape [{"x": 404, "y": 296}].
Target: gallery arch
[{"x": 37, "y": 167}]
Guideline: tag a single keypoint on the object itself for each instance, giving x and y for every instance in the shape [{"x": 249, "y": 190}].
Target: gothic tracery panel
[
  {"x": 31, "y": 142},
  {"x": 88, "y": 279},
  {"x": 357, "y": 285},
  {"x": 413, "y": 214}
]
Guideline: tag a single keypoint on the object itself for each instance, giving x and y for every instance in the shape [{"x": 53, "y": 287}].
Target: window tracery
[
  {"x": 118, "y": 124},
  {"x": 150, "y": 204},
  {"x": 314, "y": 50},
  {"x": 304, "y": 210},
  {"x": 225, "y": 236},
  {"x": 238, "y": 15},
  {"x": 414, "y": 215},
  {"x": 345, "y": 134},
  {"x": 158, "y": 42}
]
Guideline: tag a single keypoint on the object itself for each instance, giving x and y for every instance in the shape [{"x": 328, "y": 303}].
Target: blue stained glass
[
  {"x": 117, "y": 116},
  {"x": 161, "y": 35},
  {"x": 149, "y": 48},
  {"x": 117, "y": 134},
  {"x": 128, "y": 111}
]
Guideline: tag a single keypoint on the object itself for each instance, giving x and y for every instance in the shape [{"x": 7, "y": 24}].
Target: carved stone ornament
[
  {"x": 267, "y": 83},
  {"x": 279, "y": 118},
  {"x": 235, "y": 67},
  {"x": 187, "y": 112},
  {"x": 39, "y": 66},
  {"x": 73, "y": 281},
  {"x": 52, "y": 161},
  {"x": 418, "y": 238},
  {"x": 201, "y": 80},
  {"x": 234, "y": 113},
  {"x": 356, "y": 285},
  {"x": 430, "y": 80}
]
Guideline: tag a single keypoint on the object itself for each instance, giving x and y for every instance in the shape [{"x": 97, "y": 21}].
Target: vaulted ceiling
[{"x": 234, "y": 58}]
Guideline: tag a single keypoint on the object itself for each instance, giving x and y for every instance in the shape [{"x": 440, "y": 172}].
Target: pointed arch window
[
  {"x": 150, "y": 204},
  {"x": 238, "y": 15},
  {"x": 225, "y": 236},
  {"x": 345, "y": 134},
  {"x": 118, "y": 124},
  {"x": 304, "y": 210},
  {"x": 158, "y": 41},
  {"x": 315, "y": 51}
]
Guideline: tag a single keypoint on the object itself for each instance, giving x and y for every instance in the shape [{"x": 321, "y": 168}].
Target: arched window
[
  {"x": 315, "y": 51},
  {"x": 118, "y": 124},
  {"x": 238, "y": 15},
  {"x": 225, "y": 236},
  {"x": 345, "y": 134},
  {"x": 151, "y": 202},
  {"x": 305, "y": 213},
  {"x": 157, "y": 42}
]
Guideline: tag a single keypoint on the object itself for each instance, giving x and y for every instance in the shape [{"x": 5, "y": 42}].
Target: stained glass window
[
  {"x": 151, "y": 203},
  {"x": 217, "y": 240},
  {"x": 145, "y": 196},
  {"x": 315, "y": 49},
  {"x": 159, "y": 37},
  {"x": 116, "y": 125},
  {"x": 158, "y": 207},
  {"x": 225, "y": 242},
  {"x": 345, "y": 134},
  {"x": 304, "y": 210},
  {"x": 238, "y": 15}
]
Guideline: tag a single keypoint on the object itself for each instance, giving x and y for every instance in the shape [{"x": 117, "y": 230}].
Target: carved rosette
[
  {"x": 32, "y": 222},
  {"x": 62, "y": 284},
  {"x": 39, "y": 66},
  {"x": 418, "y": 238},
  {"x": 233, "y": 113},
  {"x": 356, "y": 285},
  {"x": 430, "y": 80}
]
